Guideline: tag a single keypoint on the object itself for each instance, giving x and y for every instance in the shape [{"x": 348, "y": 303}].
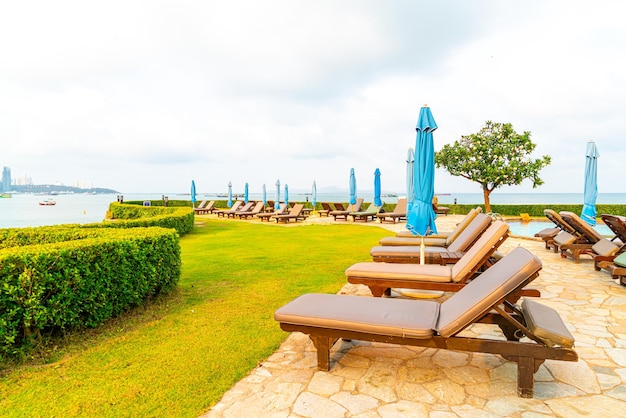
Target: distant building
[
  {"x": 23, "y": 181},
  {"x": 5, "y": 186}
]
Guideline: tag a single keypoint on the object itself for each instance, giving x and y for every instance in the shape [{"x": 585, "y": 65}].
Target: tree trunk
[{"x": 486, "y": 193}]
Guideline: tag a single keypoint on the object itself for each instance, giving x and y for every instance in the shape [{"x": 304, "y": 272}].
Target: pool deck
[{"x": 380, "y": 380}]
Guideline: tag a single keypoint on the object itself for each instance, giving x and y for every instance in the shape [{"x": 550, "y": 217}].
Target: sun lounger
[
  {"x": 398, "y": 214},
  {"x": 342, "y": 213},
  {"x": 245, "y": 208},
  {"x": 434, "y": 254},
  {"x": 201, "y": 205},
  {"x": 268, "y": 215},
  {"x": 586, "y": 237},
  {"x": 548, "y": 234},
  {"x": 327, "y": 318},
  {"x": 382, "y": 277},
  {"x": 325, "y": 209},
  {"x": 441, "y": 239},
  {"x": 208, "y": 208},
  {"x": 233, "y": 208},
  {"x": 441, "y": 210},
  {"x": 617, "y": 224},
  {"x": 295, "y": 213},
  {"x": 616, "y": 267},
  {"x": 256, "y": 210},
  {"x": 367, "y": 214}
]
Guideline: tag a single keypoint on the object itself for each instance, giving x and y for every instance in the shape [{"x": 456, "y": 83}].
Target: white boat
[{"x": 47, "y": 202}]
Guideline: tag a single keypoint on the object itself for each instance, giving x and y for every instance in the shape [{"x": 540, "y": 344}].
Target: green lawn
[{"x": 177, "y": 355}]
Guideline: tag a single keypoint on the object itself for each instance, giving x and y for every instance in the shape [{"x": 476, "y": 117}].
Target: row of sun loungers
[
  {"x": 573, "y": 238},
  {"x": 486, "y": 289}
]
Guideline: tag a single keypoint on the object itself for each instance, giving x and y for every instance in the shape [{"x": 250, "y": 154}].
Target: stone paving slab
[{"x": 381, "y": 380}]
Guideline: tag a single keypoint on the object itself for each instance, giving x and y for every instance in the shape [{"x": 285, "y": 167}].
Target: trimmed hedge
[
  {"x": 125, "y": 215},
  {"x": 77, "y": 277}
]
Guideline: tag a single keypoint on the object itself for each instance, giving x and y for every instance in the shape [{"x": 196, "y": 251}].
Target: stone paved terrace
[{"x": 379, "y": 380}]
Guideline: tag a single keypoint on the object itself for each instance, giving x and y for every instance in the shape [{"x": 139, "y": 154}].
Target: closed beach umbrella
[
  {"x": 314, "y": 194},
  {"x": 352, "y": 187},
  {"x": 264, "y": 195},
  {"x": 377, "y": 200},
  {"x": 589, "y": 213},
  {"x": 410, "y": 190},
  {"x": 245, "y": 193},
  {"x": 286, "y": 195},
  {"x": 421, "y": 219},
  {"x": 193, "y": 193},
  {"x": 229, "y": 203},
  {"x": 277, "y": 199}
]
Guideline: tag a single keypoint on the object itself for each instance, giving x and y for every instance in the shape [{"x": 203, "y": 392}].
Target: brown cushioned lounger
[
  {"x": 585, "y": 239},
  {"x": 327, "y": 318},
  {"x": 340, "y": 213},
  {"x": 233, "y": 208},
  {"x": 295, "y": 213},
  {"x": 433, "y": 255},
  {"x": 439, "y": 240},
  {"x": 256, "y": 210},
  {"x": 399, "y": 212}
]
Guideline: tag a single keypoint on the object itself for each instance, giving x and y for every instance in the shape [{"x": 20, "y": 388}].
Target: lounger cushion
[
  {"x": 396, "y": 317},
  {"x": 620, "y": 260},
  {"x": 417, "y": 272},
  {"x": 490, "y": 238},
  {"x": 398, "y": 241},
  {"x": 546, "y": 324},
  {"x": 463, "y": 241},
  {"x": 564, "y": 238},
  {"x": 604, "y": 247},
  {"x": 404, "y": 251},
  {"x": 478, "y": 296},
  {"x": 548, "y": 232}
]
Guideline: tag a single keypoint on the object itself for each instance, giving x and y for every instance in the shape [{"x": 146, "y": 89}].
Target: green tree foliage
[{"x": 495, "y": 156}]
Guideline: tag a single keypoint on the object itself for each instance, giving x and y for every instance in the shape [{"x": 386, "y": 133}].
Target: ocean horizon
[{"x": 23, "y": 210}]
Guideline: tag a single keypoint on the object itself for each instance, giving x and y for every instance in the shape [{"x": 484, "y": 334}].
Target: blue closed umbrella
[
  {"x": 589, "y": 213},
  {"x": 245, "y": 193},
  {"x": 314, "y": 202},
  {"x": 229, "y": 203},
  {"x": 421, "y": 219},
  {"x": 193, "y": 193},
  {"x": 286, "y": 195},
  {"x": 377, "y": 200},
  {"x": 264, "y": 195},
  {"x": 277, "y": 200},
  {"x": 410, "y": 190},
  {"x": 352, "y": 187}
]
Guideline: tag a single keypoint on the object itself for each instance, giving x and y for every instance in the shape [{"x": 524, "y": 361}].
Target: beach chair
[
  {"x": 441, "y": 239},
  {"x": 201, "y": 205},
  {"x": 326, "y": 318},
  {"x": 233, "y": 208},
  {"x": 572, "y": 246},
  {"x": 257, "y": 209},
  {"x": 398, "y": 213},
  {"x": 441, "y": 210},
  {"x": 326, "y": 209},
  {"x": 367, "y": 214},
  {"x": 245, "y": 208},
  {"x": 617, "y": 224},
  {"x": 616, "y": 267},
  {"x": 268, "y": 215},
  {"x": 295, "y": 213},
  {"x": 342, "y": 213},
  {"x": 208, "y": 208},
  {"x": 382, "y": 277},
  {"x": 434, "y": 254},
  {"x": 548, "y": 234}
]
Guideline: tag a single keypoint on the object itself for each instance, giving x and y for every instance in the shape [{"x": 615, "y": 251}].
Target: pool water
[{"x": 529, "y": 229}]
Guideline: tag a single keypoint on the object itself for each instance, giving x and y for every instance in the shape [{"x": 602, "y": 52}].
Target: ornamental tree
[{"x": 495, "y": 156}]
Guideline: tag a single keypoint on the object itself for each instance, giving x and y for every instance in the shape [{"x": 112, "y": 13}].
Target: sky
[{"x": 144, "y": 96}]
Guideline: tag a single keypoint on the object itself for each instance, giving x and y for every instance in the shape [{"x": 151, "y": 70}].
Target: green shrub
[
  {"x": 97, "y": 274},
  {"x": 132, "y": 216}
]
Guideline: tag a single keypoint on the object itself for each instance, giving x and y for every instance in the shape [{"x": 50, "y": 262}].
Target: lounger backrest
[
  {"x": 326, "y": 206},
  {"x": 236, "y": 205},
  {"x": 210, "y": 205},
  {"x": 617, "y": 224},
  {"x": 470, "y": 233},
  {"x": 582, "y": 227},
  {"x": 400, "y": 206},
  {"x": 514, "y": 271},
  {"x": 356, "y": 207},
  {"x": 478, "y": 253},
  {"x": 558, "y": 221},
  {"x": 340, "y": 207},
  {"x": 246, "y": 207},
  {"x": 462, "y": 225},
  {"x": 258, "y": 207},
  {"x": 296, "y": 210}
]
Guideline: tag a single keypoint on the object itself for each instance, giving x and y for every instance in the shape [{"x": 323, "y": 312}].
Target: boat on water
[
  {"x": 5, "y": 195},
  {"x": 47, "y": 202}
]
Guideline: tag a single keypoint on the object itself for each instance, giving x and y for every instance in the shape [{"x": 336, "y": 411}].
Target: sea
[{"x": 24, "y": 210}]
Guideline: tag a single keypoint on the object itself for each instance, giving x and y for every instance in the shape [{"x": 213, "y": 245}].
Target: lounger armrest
[{"x": 546, "y": 324}]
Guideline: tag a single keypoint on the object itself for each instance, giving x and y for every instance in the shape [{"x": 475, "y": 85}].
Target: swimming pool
[{"x": 529, "y": 229}]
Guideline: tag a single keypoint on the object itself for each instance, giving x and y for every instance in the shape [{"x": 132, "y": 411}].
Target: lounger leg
[
  {"x": 323, "y": 345},
  {"x": 379, "y": 291},
  {"x": 526, "y": 369}
]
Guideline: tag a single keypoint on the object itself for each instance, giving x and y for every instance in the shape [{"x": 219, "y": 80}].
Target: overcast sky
[{"x": 146, "y": 96}]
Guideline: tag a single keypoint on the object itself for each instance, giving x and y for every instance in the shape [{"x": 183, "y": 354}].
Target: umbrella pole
[{"x": 422, "y": 250}]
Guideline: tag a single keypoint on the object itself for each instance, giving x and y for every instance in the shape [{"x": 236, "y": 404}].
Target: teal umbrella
[
  {"x": 589, "y": 213},
  {"x": 286, "y": 195},
  {"x": 264, "y": 195},
  {"x": 229, "y": 203},
  {"x": 421, "y": 219},
  {"x": 352, "y": 187},
  {"x": 193, "y": 193},
  {"x": 410, "y": 190},
  {"x": 377, "y": 200},
  {"x": 314, "y": 202},
  {"x": 277, "y": 200},
  {"x": 245, "y": 193}
]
